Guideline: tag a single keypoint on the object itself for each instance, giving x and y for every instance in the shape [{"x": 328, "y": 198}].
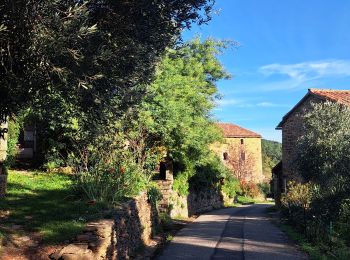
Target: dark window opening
[
  {"x": 225, "y": 154},
  {"x": 162, "y": 170},
  {"x": 242, "y": 141}
]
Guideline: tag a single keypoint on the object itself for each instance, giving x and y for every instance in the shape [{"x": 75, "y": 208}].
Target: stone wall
[
  {"x": 134, "y": 225},
  {"x": 196, "y": 202},
  {"x": 166, "y": 188},
  {"x": 122, "y": 237}
]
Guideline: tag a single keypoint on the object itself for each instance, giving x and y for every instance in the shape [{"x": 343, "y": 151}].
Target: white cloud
[
  {"x": 306, "y": 71},
  {"x": 269, "y": 104},
  {"x": 228, "y": 102}
]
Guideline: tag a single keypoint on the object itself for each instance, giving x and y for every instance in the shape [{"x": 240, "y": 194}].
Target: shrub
[
  {"x": 14, "y": 126},
  {"x": 110, "y": 183},
  {"x": 249, "y": 189},
  {"x": 231, "y": 186},
  {"x": 154, "y": 195},
  {"x": 180, "y": 184}
]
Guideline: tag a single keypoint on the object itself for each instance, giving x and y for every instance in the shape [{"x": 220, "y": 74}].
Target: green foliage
[
  {"x": 181, "y": 185},
  {"x": 46, "y": 203},
  {"x": 299, "y": 195},
  {"x": 154, "y": 195},
  {"x": 231, "y": 186},
  {"x": 90, "y": 54},
  {"x": 12, "y": 141},
  {"x": 320, "y": 208},
  {"x": 110, "y": 183},
  {"x": 327, "y": 134},
  {"x": 271, "y": 155},
  {"x": 175, "y": 113}
]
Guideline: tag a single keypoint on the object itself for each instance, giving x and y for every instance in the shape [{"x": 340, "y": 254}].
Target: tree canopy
[{"x": 90, "y": 54}]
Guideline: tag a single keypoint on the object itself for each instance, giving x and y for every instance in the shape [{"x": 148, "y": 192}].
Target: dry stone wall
[
  {"x": 119, "y": 238},
  {"x": 196, "y": 202},
  {"x": 134, "y": 226}
]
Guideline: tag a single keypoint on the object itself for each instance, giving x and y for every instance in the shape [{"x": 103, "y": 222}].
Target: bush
[
  {"x": 110, "y": 183},
  {"x": 180, "y": 184},
  {"x": 154, "y": 195},
  {"x": 264, "y": 188},
  {"x": 14, "y": 126},
  {"x": 249, "y": 189},
  {"x": 231, "y": 186}
]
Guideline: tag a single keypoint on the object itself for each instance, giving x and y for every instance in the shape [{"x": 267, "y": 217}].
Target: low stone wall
[
  {"x": 119, "y": 238},
  {"x": 203, "y": 201},
  {"x": 134, "y": 226},
  {"x": 195, "y": 203},
  {"x": 96, "y": 242}
]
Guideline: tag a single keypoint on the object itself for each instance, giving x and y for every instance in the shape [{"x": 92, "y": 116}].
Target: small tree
[
  {"x": 324, "y": 155},
  {"x": 241, "y": 161}
]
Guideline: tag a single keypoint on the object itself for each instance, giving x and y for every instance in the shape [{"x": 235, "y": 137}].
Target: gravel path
[{"x": 243, "y": 233}]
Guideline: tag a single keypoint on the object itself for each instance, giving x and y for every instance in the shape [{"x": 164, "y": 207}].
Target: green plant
[
  {"x": 154, "y": 195},
  {"x": 231, "y": 186},
  {"x": 46, "y": 204},
  {"x": 14, "y": 126},
  {"x": 110, "y": 183},
  {"x": 181, "y": 185}
]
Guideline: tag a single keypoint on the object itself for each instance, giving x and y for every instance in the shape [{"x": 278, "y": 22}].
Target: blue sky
[{"x": 285, "y": 48}]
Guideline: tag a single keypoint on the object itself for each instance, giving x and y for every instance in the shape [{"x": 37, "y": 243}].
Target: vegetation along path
[{"x": 232, "y": 233}]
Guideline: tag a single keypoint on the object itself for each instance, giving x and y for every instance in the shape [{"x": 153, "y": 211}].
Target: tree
[
  {"x": 81, "y": 64},
  {"x": 241, "y": 162},
  {"x": 271, "y": 155},
  {"x": 175, "y": 113},
  {"x": 324, "y": 155}
]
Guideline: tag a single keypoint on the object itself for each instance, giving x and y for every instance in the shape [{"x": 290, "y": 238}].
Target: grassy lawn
[{"x": 44, "y": 203}]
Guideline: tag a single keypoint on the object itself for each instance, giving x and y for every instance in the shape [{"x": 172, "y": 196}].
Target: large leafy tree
[
  {"x": 175, "y": 113},
  {"x": 90, "y": 54}
]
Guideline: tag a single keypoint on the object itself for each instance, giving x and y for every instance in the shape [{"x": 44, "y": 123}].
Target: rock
[
  {"x": 87, "y": 256},
  {"x": 72, "y": 249}
]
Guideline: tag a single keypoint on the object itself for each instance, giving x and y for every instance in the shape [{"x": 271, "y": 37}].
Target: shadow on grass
[{"x": 57, "y": 213}]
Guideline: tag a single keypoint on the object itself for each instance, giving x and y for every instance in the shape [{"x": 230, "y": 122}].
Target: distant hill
[{"x": 271, "y": 155}]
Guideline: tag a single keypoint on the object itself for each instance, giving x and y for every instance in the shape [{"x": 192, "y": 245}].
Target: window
[
  {"x": 225, "y": 155},
  {"x": 242, "y": 141}
]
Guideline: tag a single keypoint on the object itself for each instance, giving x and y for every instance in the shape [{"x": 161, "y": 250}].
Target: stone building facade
[
  {"x": 293, "y": 128},
  {"x": 241, "y": 152}
]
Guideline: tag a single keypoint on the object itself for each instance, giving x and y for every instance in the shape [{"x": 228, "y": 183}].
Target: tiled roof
[
  {"x": 231, "y": 130},
  {"x": 339, "y": 96}
]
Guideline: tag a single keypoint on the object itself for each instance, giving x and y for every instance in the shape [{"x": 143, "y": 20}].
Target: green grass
[
  {"x": 45, "y": 203},
  {"x": 313, "y": 251}
]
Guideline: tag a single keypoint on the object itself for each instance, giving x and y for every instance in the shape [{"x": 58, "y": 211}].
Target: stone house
[
  {"x": 292, "y": 129},
  {"x": 241, "y": 152}
]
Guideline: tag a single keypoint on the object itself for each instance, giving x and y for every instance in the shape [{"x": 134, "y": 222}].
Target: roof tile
[
  {"x": 339, "y": 96},
  {"x": 231, "y": 130}
]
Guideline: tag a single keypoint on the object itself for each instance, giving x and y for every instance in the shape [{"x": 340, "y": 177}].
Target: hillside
[{"x": 271, "y": 155}]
